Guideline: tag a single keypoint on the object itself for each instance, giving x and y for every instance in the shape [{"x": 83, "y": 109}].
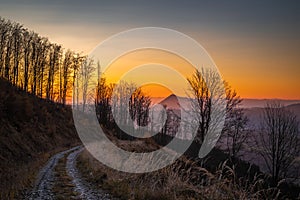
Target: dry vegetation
[
  {"x": 184, "y": 179},
  {"x": 31, "y": 130},
  {"x": 63, "y": 185}
]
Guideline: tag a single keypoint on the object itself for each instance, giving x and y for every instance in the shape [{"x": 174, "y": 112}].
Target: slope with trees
[{"x": 35, "y": 65}]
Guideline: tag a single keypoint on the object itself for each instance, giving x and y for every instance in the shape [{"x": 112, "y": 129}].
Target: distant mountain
[
  {"x": 172, "y": 102},
  {"x": 253, "y": 107},
  {"x": 295, "y": 108},
  {"x": 254, "y": 114},
  {"x": 250, "y": 103}
]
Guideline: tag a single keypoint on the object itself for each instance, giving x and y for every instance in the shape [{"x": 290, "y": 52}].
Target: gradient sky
[{"x": 255, "y": 44}]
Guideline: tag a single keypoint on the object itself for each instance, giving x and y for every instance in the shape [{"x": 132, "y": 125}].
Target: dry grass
[
  {"x": 184, "y": 179},
  {"x": 16, "y": 179},
  {"x": 63, "y": 186},
  {"x": 21, "y": 178},
  {"x": 31, "y": 129}
]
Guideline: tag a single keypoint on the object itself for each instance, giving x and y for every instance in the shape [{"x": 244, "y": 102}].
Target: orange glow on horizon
[{"x": 245, "y": 79}]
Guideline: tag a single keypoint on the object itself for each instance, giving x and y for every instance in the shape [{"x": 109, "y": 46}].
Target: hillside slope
[{"x": 30, "y": 128}]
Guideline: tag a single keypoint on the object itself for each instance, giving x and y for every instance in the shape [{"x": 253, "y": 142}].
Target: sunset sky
[{"x": 255, "y": 44}]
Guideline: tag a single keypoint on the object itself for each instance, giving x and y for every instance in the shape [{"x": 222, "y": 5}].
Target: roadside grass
[
  {"x": 63, "y": 186},
  {"x": 184, "y": 179},
  {"x": 20, "y": 178}
]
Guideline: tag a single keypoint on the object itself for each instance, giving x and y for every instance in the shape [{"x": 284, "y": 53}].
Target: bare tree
[
  {"x": 103, "y": 102},
  {"x": 17, "y": 51},
  {"x": 278, "y": 142},
  {"x": 66, "y": 68},
  {"x": 32, "y": 63},
  {"x": 4, "y": 31},
  {"x": 121, "y": 104},
  {"x": 28, "y": 36},
  {"x": 35, "y": 57},
  {"x": 77, "y": 63},
  {"x": 120, "y": 101},
  {"x": 139, "y": 107},
  {"x": 127, "y": 95},
  {"x": 206, "y": 88},
  {"x": 235, "y": 132},
  {"x": 55, "y": 55},
  {"x": 43, "y": 64},
  {"x": 87, "y": 69},
  {"x": 8, "y": 53}
]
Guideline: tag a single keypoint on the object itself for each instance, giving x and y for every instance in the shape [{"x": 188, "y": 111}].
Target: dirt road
[{"x": 60, "y": 179}]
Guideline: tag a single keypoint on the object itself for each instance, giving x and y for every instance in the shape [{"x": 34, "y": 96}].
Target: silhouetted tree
[
  {"x": 32, "y": 63},
  {"x": 17, "y": 51},
  {"x": 87, "y": 69},
  {"x": 235, "y": 132},
  {"x": 139, "y": 107},
  {"x": 66, "y": 72},
  {"x": 55, "y": 55},
  {"x": 103, "y": 101},
  {"x": 205, "y": 86},
  {"x": 77, "y": 63},
  {"x": 278, "y": 142},
  {"x": 127, "y": 104}
]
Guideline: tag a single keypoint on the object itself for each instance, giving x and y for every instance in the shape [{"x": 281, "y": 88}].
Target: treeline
[
  {"x": 123, "y": 107},
  {"x": 35, "y": 65}
]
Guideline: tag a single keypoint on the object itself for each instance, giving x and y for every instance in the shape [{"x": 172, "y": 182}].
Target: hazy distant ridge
[{"x": 171, "y": 102}]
